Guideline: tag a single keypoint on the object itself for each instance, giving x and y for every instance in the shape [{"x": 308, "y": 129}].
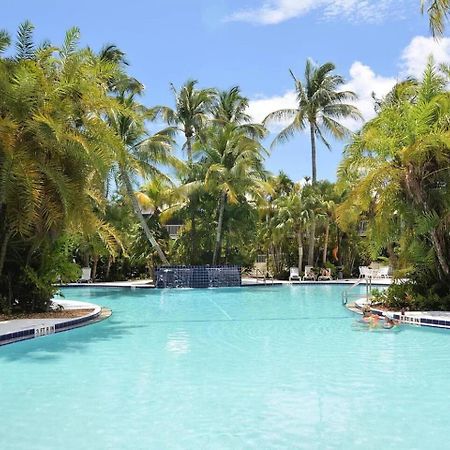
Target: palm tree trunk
[
  {"x": 189, "y": 149},
  {"x": 138, "y": 213},
  {"x": 312, "y": 230},
  {"x": 192, "y": 205},
  {"x": 222, "y": 202},
  {"x": 440, "y": 253},
  {"x": 94, "y": 267},
  {"x": 300, "y": 251},
  {"x": 108, "y": 267},
  {"x": 3, "y": 248},
  {"x": 313, "y": 152},
  {"x": 312, "y": 240},
  {"x": 325, "y": 244}
]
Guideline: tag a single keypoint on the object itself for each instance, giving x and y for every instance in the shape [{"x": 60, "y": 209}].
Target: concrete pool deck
[
  {"x": 21, "y": 329},
  {"x": 246, "y": 281}
]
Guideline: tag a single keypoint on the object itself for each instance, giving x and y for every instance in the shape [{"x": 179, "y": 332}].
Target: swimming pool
[{"x": 273, "y": 367}]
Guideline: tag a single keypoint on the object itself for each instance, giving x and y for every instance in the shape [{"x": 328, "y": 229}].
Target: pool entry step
[{"x": 197, "y": 276}]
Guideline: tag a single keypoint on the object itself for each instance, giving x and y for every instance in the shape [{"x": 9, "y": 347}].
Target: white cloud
[
  {"x": 277, "y": 11},
  {"x": 364, "y": 81},
  {"x": 415, "y": 56},
  {"x": 259, "y": 108}
]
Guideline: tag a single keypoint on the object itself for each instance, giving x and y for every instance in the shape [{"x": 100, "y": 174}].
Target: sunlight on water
[{"x": 274, "y": 367}]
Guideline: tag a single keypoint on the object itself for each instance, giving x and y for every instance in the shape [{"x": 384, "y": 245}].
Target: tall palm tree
[
  {"x": 234, "y": 162},
  {"x": 191, "y": 113},
  {"x": 437, "y": 11},
  {"x": 233, "y": 153},
  {"x": 190, "y": 117},
  {"x": 139, "y": 154},
  {"x": 320, "y": 106}
]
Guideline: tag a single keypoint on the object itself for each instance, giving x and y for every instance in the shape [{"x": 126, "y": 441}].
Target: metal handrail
[{"x": 346, "y": 293}]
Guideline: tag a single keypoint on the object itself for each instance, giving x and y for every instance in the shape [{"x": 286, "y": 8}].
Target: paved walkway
[
  {"x": 246, "y": 281},
  {"x": 350, "y": 281},
  {"x": 19, "y": 326}
]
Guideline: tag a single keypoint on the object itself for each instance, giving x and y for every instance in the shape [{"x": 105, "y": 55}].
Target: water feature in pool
[{"x": 272, "y": 367}]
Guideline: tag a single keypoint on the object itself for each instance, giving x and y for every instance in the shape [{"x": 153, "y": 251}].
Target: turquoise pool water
[{"x": 236, "y": 368}]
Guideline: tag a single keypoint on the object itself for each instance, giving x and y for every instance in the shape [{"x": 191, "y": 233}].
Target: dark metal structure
[{"x": 197, "y": 276}]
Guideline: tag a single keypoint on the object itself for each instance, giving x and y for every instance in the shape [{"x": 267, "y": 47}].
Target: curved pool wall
[
  {"x": 238, "y": 368},
  {"x": 23, "y": 329}
]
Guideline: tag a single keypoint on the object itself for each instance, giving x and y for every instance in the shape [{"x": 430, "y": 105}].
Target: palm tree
[
  {"x": 402, "y": 158},
  {"x": 320, "y": 106},
  {"x": 437, "y": 11},
  {"x": 190, "y": 117},
  {"x": 234, "y": 154},
  {"x": 327, "y": 207},
  {"x": 54, "y": 155},
  {"x": 292, "y": 215},
  {"x": 191, "y": 112},
  {"x": 234, "y": 169},
  {"x": 138, "y": 153}
]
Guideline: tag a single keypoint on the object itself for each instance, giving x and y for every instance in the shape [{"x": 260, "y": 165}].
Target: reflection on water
[{"x": 178, "y": 342}]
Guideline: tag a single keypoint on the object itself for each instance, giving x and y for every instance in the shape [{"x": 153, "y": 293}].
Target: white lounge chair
[
  {"x": 294, "y": 274},
  {"x": 309, "y": 274},
  {"x": 325, "y": 275},
  {"x": 363, "y": 271},
  {"x": 383, "y": 272},
  {"x": 85, "y": 275}
]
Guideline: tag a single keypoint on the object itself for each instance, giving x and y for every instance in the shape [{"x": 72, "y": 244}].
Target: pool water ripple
[{"x": 262, "y": 368}]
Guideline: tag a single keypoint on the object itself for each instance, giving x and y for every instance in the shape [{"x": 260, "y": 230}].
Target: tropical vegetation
[{"x": 84, "y": 183}]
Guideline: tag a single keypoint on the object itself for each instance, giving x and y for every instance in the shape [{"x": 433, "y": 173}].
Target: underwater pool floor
[{"x": 277, "y": 367}]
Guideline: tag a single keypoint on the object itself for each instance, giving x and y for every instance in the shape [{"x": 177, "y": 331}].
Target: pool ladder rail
[{"x": 347, "y": 294}]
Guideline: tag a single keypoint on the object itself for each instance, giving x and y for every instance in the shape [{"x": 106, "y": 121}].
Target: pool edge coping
[
  {"x": 99, "y": 314},
  {"x": 419, "y": 319}
]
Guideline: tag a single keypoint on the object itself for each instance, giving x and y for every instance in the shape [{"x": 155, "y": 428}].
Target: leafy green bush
[{"x": 423, "y": 290}]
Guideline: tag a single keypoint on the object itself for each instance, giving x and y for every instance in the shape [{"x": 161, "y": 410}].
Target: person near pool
[
  {"x": 367, "y": 314},
  {"x": 389, "y": 322}
]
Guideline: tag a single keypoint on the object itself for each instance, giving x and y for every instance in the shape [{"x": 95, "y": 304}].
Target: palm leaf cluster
[
  {"x": 402, "y": 158},
  {"x": 56, "y": 148}
]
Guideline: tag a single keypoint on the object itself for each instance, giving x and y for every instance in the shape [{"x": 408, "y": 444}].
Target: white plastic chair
[
  {"x": 363, "y": 271},
  {"x": 294, "y": 274},
  {"x": 383, "y": 272},
  {"x": 85, "y": 275},
  {"x": 309, "y": 274},
  {"x": 326, "y": 275}
]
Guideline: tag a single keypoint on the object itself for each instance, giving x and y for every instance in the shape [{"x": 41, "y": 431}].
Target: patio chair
[
  {"x": 383, "y": 272},
  {"x": 363, "y": 271},
  {"x": 325, "y": 275},
  {"x": 85, "y": 275},
  {"x": 309, "y": 274},
  {"x": 294, "y": 274}
]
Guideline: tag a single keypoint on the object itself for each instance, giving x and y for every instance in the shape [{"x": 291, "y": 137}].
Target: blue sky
[{"x": 251, "y": 43}]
